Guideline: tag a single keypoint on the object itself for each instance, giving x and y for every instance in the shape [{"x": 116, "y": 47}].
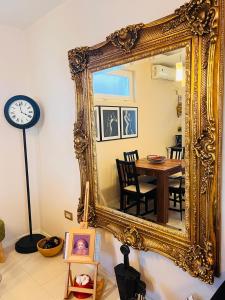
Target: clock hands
[
  {"x": 20, "y": 108},
  {"x": 26, "y": 114},
  {"x": 22, "y": 112}
]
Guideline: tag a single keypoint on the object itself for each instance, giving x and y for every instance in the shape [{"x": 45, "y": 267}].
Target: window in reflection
[{"x": 115, "y": 82}]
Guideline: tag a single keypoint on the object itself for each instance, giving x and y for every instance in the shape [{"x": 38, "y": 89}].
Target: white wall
[
  {"x": 59, "y": 182},
  {"x": 14, "y": 80},
  {"x": 73, "y": 24}
]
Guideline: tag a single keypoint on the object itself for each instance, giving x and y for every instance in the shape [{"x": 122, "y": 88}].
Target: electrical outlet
[{"x": 68, "y": 215}]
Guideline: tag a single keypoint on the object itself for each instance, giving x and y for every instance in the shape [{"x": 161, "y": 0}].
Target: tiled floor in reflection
[
  {"x": 33, "y": 276},
  {"x": 174, "y": 222}
]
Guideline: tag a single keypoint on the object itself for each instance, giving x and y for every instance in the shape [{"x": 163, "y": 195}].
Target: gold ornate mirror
[{"x": 148, "y": 134}]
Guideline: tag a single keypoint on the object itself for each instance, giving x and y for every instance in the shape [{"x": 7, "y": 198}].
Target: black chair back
[
  {"x": 131, "y": 155},
  {"x": 127, "y": 174},
  {"x": 176, "y": 152}
]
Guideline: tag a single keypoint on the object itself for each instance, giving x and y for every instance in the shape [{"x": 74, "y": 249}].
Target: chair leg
[
  {"x": 155, "y": 206},
  {"x": 2, "y": 254},
  {"x": 121, "y": 202},
  {"x": 174, "y": 199},
  {"x": 138, "y": 207},
  {"x": 146, "y": 205}
]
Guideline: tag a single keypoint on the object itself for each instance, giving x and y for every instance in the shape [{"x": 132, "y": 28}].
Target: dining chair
[
  {"x": 132, "y": 156},
  {"x": 133, "y": 192},
  {"x": 176, "y": 152},
  {"x": 177, "y": 190}
]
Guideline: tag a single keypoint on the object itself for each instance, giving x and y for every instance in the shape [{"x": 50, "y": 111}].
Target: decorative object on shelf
[
  {"x": 23, "y": 112},
  {"x": 79, "y": 248},
  {"x": 50, "y": 246},
  {"x": 129, "y": 122},
  {"x": 128, "y": 279}
]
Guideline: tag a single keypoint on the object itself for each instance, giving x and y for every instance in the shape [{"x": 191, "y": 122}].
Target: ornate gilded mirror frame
[{"x": 197, "y": 26}]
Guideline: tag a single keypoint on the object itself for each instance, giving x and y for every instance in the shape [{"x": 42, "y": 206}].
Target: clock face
[{"x": 22, "y": 111}]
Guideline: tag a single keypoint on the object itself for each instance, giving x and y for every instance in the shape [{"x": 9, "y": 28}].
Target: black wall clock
[{"x": 23, "y": 112}]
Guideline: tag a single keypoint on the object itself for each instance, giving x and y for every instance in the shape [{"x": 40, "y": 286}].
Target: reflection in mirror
[{"x": 140, "y": 138}]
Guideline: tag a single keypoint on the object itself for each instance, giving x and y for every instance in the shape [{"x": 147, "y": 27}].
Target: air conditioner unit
[{"x": 163, "y": 72}]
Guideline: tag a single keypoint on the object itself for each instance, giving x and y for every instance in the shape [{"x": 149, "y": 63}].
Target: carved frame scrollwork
[{"x": 197, "y": 26}]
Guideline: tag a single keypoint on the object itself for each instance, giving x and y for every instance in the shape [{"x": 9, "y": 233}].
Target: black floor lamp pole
[{"x": 28, "y": 244}]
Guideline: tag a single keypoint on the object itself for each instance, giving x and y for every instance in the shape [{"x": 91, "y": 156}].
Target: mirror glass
[{"x": 139, "y": 107}]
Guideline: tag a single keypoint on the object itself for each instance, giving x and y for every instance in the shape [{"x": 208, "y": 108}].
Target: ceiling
[{"x": 22, "y": 13}]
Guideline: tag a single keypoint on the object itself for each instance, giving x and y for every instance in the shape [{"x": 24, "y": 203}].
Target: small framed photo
[
  {"x": 79, "y": 245},
  {"x": 97, "y": 123},
  {"x": 129, "y": 122},
  {"x": 110, "y": 122}
]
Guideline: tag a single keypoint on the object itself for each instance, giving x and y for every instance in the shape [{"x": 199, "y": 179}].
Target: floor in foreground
[{"x": 33, "y": 276}]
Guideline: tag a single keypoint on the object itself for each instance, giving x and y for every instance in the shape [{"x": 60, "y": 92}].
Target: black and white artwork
[
  {"x": 110, "y": 123},
  {"x": 129, "y": 122},
  {"x": 97, "y": 123}
]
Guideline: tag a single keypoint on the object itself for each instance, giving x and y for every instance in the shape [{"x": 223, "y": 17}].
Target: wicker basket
[{"x": 51, "y": 251}]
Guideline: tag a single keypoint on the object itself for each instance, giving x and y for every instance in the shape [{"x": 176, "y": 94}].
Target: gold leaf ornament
[
  {"x": 202, "y": 17},
  {"x": 131, "y": 237},
  {"x": 78, "y": 59},
  {"x": 80, "y": 136},
  {"x": 205, "y": 150},
  {"x": 125, "y": 38},
  {"x": 199, "y": 262}
]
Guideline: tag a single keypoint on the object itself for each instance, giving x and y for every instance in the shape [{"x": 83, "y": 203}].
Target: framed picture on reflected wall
[
  {"x": 79, "y": 245},
  {"x": 97, "y": 123},
  {"x": 129, "y": 122},
  {"x": 110, "y": 122}
]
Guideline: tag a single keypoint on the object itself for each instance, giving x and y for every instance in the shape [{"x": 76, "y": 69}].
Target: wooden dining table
[{"x": 161, "y": 171}]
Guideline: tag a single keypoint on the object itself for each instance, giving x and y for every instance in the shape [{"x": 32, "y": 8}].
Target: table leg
[{"x": 162, "y": 198}]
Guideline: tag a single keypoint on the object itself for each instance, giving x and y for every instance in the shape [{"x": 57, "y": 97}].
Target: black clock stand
[{"x": 28, "y": 243}]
